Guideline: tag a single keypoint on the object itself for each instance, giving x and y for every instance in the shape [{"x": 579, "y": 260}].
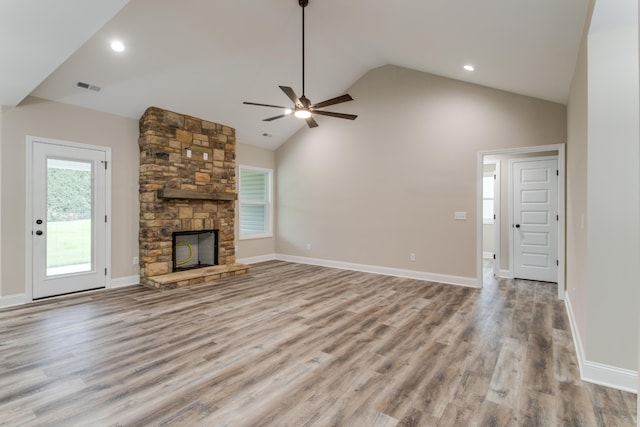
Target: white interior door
[
  {"x": 68, "y": 218},
  {"x": 535, "y": 219}
]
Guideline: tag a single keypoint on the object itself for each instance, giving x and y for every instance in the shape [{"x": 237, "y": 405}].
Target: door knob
[
  {"x": 39, "y": 232},
  {"x": 517, "y": 225},
  {"x": 38, "y": 221}
]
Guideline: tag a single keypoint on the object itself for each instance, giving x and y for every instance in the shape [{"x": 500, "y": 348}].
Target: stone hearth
[{"x": 187, "y": 183}]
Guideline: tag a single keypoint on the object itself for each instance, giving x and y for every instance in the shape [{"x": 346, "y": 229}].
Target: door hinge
[
  {"x": 494, "y": 216},
  {"x": 557, "y": 172},
  {"x": 105, "y": 271},
  {"x": 105, "y": 218},
  {"x": 494, "y": 256},
  {"x": 495, "y": 176},
  {"x": 558, "y": 263},
  {"x": 105, "y": 164},
  {"x": 557, "y": 217}
]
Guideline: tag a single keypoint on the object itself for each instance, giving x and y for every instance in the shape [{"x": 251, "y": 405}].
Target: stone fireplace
[{"x": 187, "y": 187}]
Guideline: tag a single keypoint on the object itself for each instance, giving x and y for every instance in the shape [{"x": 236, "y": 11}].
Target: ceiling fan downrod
[{"x": 303, "y": 4}]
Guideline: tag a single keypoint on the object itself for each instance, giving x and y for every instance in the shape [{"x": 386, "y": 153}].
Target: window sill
[{"x": 255, "y": 236}]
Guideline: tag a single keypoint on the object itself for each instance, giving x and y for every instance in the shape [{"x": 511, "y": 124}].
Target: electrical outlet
[
  {"x": 412, "y": 257},
  {"x": 308, "y": 246},
  {"x": 135, "y": 260}
]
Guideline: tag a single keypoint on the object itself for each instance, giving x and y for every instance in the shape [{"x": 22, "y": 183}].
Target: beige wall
[
  {"x": 37, "y": 117},
  {"x": 376, "y": 189},
  {"x": 248, "y": 155},
  {"x": 488, "y": 238},
  {"x": 576, "y": 195},
  {"x": 613, "y": 176}
]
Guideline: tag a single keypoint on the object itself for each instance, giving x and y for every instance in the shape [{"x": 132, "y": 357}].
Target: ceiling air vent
[{"x": 87, "y": 86}]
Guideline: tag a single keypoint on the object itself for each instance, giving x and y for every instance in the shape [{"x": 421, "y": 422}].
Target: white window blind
[{"x": 255, "y": 202}]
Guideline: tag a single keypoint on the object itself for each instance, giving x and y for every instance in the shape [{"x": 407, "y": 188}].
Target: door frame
[
  {"x": 561, "y": 149},
  {"x": 28, "y": 238},
  {"x": 512, "y": 249},
  {"x": 496, "y": 212}
]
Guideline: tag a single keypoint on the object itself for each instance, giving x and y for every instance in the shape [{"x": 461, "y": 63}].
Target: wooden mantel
[{"x": 174, "y": 193}]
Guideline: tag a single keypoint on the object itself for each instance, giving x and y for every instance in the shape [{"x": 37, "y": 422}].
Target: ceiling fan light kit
[{"x": 302, "y": 106}]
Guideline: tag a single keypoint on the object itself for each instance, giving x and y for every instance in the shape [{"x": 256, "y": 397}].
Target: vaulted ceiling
[{"x": 205, "y": 57}]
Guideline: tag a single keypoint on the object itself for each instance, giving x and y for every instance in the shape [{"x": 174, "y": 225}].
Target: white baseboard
[
  {"x": 505, "y": 274},
  {"x": 257, "y": 259},
  {"x": 125, "y": 281},
  {"x": 599, "y": 373},
  {"x": 610, "y": 376},
  {"x": 470, "y": 282},
  {"x": 11, "y": 300}
]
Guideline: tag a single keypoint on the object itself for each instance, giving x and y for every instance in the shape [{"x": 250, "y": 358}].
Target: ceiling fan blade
[
  {"x": 338, "y": 115},
  {"x": 292, "y": 95},
  {"x": 264, "y": 105},
  {"x": 337, "y": 100},
  {"x": 311, "y": 123},
  {"x": 275, "y": 117}
]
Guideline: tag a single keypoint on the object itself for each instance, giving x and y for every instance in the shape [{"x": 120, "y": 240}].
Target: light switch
[
  {"x": 205, "y": 156},
  {"x": 188, "y": 153},
  {"x": 460, "y": 216}
]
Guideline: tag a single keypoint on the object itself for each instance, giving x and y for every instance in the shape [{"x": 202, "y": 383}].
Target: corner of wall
[{"x": 599, "y": 373}]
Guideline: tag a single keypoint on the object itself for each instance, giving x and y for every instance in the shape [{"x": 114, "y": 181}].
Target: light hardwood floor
[{"x": 297, "y": 345}]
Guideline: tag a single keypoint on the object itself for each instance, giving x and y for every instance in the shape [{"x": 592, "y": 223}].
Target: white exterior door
[
  {"x": 535, "y": 219},
  {"x": 68, "y": 224}
]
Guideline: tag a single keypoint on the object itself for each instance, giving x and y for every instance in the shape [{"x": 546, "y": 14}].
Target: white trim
[
  {"x": 257, "y": 259},
  {"x": 470, "y": 282},
  {"x": 11, "y": 300},
  {"x": 610, "y": 376},
  {"x": 561, "y": 207},
  {"x": 497, "y": 188},
  {"x": 505, "y": 274},
  {"x": 577, "y": 341},
  {"x": 497, "y": 228},
  {"x": 487, "y": 255},
  {"x": 121, "y": 282},
  {"x": 598, "y": 373}
]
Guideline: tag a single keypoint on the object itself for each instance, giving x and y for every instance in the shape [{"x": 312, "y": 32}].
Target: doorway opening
[{"x": 502, "y": 231}]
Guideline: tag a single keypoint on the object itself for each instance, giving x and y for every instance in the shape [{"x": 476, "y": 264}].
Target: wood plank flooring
[{"x": 297, "y": 345}]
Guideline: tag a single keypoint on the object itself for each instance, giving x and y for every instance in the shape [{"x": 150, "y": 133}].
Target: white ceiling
[{"x": 204, "y": 57}]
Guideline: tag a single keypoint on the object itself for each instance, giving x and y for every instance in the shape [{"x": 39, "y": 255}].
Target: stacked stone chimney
[{"x": 187, "y": 183}]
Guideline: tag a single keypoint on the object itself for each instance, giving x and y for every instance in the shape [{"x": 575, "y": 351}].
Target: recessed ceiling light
[
  {"x": 117, "y": 46},
  {"x": 469, "y": 67}
]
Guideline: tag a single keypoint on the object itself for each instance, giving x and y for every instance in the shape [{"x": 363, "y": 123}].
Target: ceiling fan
[{"x": 303, "y": 108}]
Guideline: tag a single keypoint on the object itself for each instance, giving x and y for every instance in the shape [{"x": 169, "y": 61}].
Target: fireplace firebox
[{"x": 194, "y": 249}]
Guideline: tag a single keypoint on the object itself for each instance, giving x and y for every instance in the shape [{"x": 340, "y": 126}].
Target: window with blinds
[{"x": 255, "y": 202}]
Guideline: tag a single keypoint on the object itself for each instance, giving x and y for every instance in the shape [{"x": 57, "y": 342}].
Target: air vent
[{"x": 87, "y": 86}]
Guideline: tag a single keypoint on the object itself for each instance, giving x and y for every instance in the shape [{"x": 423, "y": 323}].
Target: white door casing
[
  {"x": 54, "y": 270},
  {"x": 535, "y": 218}
]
